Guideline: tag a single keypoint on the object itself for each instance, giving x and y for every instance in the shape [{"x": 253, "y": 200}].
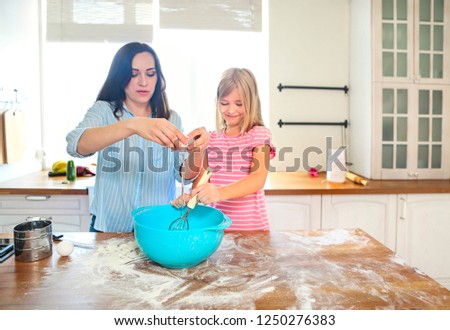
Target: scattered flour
[
  {"x": 333, "y": 237},
  {"x": 399, "y": 260},
  {"x": 118, "y": 269}
]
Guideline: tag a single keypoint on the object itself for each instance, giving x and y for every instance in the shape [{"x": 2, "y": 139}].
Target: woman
[{"x": 138, "y": 139}]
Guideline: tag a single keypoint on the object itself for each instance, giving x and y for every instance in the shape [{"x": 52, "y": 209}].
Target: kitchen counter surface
[
  {"x": 301, "y": 183},
  {"x": 278, "y": 183},
  {"x": 328, "y": 269},
  {"x": 41, "y": 183}
]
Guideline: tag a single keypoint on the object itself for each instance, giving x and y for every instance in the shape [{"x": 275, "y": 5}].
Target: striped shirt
[
  {"x": 231, "y": 160},
  {"x": 131, "y": 173}
]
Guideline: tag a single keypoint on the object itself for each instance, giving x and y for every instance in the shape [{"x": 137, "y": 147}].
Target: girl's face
[
  {"x": 143, "y": 79},
  {"x": 232, "y": 110}
]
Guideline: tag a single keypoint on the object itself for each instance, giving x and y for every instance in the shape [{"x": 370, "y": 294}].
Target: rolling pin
[{"x": 356, "y": 179}]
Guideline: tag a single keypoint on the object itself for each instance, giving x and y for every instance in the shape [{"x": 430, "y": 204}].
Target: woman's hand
[
  {"x": 158, "y": 130},
  {"x": 207, "y": 193}
]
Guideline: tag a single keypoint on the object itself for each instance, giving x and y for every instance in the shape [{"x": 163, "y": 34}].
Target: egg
[{"x": 64, "y": 248}]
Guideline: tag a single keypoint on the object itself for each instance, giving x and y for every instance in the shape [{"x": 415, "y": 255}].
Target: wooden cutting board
[
  {"x": 13, "y": 136},
  {"x": 2, "y": 144}
]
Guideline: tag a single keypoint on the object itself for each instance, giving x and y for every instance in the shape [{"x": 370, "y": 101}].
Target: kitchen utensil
[
  {"x": 184, "y": 154},
  {"x": 13, "y": 135},
  {"x": 6, "y": 248},
  {"x": 183, "y": 172},
  {"x": 356, "y": 178},
  {"x": 178, "y": 248},
  {"x": 182, "y": 223},
  {"x": 33, "y": 239},
  {"x": 2, "y": 143}
]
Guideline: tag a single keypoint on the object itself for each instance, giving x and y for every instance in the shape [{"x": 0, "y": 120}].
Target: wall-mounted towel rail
[
  {"x": 344, "y": 123},
  {"x": 345, "y": 88}
]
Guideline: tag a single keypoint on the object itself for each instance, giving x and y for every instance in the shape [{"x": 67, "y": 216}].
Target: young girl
[{"x": 239, "y": 152}]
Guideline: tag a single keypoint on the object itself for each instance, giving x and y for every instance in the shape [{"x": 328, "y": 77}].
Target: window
[
  {"x": 192, "y": 61},
  {"x": 99, "y": 20}
]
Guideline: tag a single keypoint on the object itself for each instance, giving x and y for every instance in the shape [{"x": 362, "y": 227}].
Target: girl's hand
[
  {"x": 158, "y": 130},
  {"x": 207, "y": 193},
  {"x": 201, "y": 138},
  {"x": 181, "y": 201}
]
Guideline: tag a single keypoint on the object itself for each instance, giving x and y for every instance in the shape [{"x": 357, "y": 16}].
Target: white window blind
[
  {"x": 99, "y": 20},
  {"x": 232, "y": 15}
]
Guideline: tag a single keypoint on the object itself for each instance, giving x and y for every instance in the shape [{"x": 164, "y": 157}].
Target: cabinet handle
[
  {"x": 413, "y": 175},
  {"x": 403, "y": 214},
  {"x": 37, "y": 198}
]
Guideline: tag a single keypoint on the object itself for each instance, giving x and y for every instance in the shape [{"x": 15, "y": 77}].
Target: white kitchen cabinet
[
  {"x": 415, "y": 226},
  {"x": 400, "y": 89},
  {"x": 375, "y": 214},
  {"x": 409, "y": 41},
  {"x": 293, "y": 212},
  {"x": 415, "y": 134},
  {"x": 423, "y": 233},
  {"x": 68, "y": 212}
]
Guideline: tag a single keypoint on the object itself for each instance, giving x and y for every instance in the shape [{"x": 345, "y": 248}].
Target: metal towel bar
[
  {"x": 344, "y": 123},
  {"x": 345, "y": 88}
]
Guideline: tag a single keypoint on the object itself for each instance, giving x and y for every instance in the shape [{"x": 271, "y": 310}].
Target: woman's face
[
  {"x": 232, "y": 110},
  {"x": 143, "y": 79}
]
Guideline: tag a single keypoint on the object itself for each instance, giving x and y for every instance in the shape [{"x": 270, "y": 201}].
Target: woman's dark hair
[{"x": 113, "y": 90}]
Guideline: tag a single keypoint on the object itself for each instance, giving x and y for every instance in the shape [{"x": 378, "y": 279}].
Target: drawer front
[
  {"x": 60, "y": 223},
  {"x": 51, "y": 204}
]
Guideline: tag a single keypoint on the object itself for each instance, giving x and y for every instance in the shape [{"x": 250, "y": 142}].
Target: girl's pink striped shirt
[{"x": 231, "y": 159}]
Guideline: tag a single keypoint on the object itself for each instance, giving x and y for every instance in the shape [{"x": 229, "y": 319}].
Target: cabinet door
[
  {"x": 411, "y": 41},
  {"x": 415, "y": 131},
  {"x": 431, "y": 41},
  {"x": 424, "y": 233},
  {"x": 375, "y": 214},
  {"x": 293, "y": 212},
  {"x": 393, "y": 35}
]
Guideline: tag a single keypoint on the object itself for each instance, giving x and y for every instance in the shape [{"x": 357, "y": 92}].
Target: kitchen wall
[
  {"x": 308, "y": 45},
  {"x": 19, "y": 69}
]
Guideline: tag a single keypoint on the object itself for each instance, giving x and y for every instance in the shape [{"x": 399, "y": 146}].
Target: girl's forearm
[
  {"x": 254, "y": 181},
  {"x": 248, "y": 185}
]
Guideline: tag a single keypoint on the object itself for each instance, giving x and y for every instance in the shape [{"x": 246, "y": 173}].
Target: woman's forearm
[{"x": 98, "y": 138}]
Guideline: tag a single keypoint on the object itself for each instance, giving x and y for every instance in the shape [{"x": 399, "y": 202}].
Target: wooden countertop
[
  {"x": 41, "y": 183},
  {"x": 301, "y": 183},
  {"x": 327, "y": 269},
  {"x": 278, "y": 183}
]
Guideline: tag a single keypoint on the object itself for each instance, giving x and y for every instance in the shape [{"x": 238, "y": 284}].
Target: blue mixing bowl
[{"x": 178, "y": 248}]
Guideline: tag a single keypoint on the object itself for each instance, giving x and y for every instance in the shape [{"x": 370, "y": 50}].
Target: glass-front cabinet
[
  {"x": 409, "y": 41},
  {"x": 411, "y": 89},
  {"x": 414, "y": 125}
]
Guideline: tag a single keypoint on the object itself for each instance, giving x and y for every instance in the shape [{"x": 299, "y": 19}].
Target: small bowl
[{"x": 178, "y": 248}]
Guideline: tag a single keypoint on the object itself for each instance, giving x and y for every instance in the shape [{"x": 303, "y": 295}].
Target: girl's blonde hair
[{"x": 245, "y": 82}]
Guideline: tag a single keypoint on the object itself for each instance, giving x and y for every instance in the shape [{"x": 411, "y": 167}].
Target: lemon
[{"x": 59, "y": 166}]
